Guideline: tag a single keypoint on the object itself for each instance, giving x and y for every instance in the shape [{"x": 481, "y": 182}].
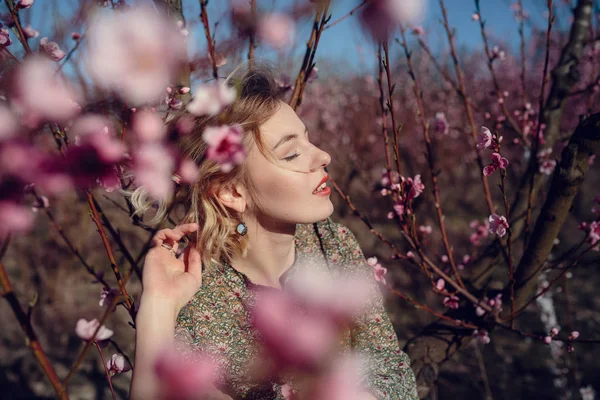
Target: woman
[{"x": 259, "y": 219}]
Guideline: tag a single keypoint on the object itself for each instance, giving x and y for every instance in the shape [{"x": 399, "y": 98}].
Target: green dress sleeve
[{"x": 388, "y": 372}]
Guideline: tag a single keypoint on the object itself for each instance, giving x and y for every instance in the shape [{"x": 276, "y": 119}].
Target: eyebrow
[{"x": 287, "y": 138}]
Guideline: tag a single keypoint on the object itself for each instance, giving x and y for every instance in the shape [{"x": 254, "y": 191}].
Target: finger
[
  {"x": 184, "y": 229},
  {"x": 165, "y": 236},
  {"x": 193, "y": 262}
]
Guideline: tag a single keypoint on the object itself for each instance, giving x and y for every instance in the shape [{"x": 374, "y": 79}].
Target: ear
[{"x": 233, "y": 196}]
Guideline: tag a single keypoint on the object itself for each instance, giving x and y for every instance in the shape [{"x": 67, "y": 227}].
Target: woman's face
[{"x": 285, "y": 188}]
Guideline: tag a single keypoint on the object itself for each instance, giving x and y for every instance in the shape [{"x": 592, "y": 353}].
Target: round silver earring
[{"x": 242, "y": 229}]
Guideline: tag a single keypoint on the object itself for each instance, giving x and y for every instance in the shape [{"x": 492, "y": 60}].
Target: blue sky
[{"x": 340, "y": 44}]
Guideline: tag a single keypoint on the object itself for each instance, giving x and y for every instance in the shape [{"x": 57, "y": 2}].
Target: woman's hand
[{"x": 174, "y": 280}]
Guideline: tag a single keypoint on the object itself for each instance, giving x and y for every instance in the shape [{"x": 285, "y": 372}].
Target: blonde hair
[{"x": 216, "y": 238}]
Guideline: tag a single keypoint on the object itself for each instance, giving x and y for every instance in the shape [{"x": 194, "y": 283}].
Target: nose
[{"x": 323, "y": 159}]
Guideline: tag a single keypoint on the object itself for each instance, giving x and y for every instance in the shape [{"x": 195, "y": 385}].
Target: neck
[{"x": 271, "y": 253}]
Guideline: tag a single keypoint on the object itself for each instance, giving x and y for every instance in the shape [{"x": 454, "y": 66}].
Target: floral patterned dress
[{"x": 217, "y": 322}]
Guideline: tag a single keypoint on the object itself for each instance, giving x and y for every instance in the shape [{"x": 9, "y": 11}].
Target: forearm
[{"x": 155, "y": 329}]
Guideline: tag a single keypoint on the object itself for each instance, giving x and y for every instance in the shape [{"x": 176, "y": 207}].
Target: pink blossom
[
  {"x": 148, "y": 126},
  {"x": 481, "y": 231},
  {"x": 498, "y": 224},
  {"x": 547, "y": 340},
  {"x": 440, "y": 123},
  {"x": 153, "y": 169},
  {"x": 51, "y": 49},
  {"x": 498, "y": 162},
  {"x": 225, "y": 146},
  {"x": 482, "y": 336},
  {"x": 418, "y": 30},
  {"x": 14, "y": 218},
  {"x": 5, "y": 37},
  {"x": 372, "y": 261},
  {"x": 485, "y": 139},
  {"x": 399, "y": 208},
  {"x": 425, "y": 229},
  {"x": 136, "y": 52},
  {"x": 277, "y": 30},
  {"x": 95, "y": 154},
  {"x": 451, "y": 301},
  {"x": 414, "y": 187},
  {"x": 440, "y": 284},
  {"x": 24, "y": 4},
  {"x": 184, "y": 378},
  {"x": 75, "y": 36},
  {"x": 594, "y": 234},
  {"x": 313, "y": 74},
  {"x": 39, "y": 93},
  {"x": 211, "y": 99},
  {"x": 85, "y": 329},
  {"x": 107, "y": 297},
  {"x": 220, "y": 59},
  {"x": 497, "y": 53},
  {"x": 292, "y": 338},
  {"x": 475, "y": 17},
  {"x": 479, "y": 311},
  {"x": 554, "y": 332},
  {"x": 547, "y": 167},
  {"x": 573, "y": 335},
  {"x": 117, "y": 365},
  {"x": 30, "y": 33},
  {"x": 379, "y": 273}
]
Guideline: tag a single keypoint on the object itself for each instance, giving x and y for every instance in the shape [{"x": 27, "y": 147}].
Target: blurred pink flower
[
  {"x": 14, "y": 218},
  {"x": 547, "y": 340},
  {"x": 399, "y": 208},
  {"x": 117, "y": 365},
  {"x": 498, "y": 224},
  {"x": 293, "y": 338},
  {"x": 148, "y": 126},
  {"x": 51, "y": 49},
  {"x": 188, "y": 171},
  {"x": 40, "y": 95},
  {"x": 8, "y": 124},
  {"x": 153, "y": 169},
  {"x": 340, "y": 297},
  {"x": 277, "y": 30},
  {"x": 573, "y": 335},
  {"x": 425, "y": 229},
  {"x": 547, "y": 167},
  {"x": 30, "y": 32},
  {"x": 225, "y": 146},
  {"x": 341, "y": 381},
  {"x": 475, "y": 17},
  {"x": 95, "y": 153},
  {"x": 498, "y": 162},
  {"x": 482, "y": 336},
  {"x": 380, "y": 17},
  {"x": 440, "y": 284},
  {"x": 107, "y": 297},
  {"x": 451, "y": 301},
  {"x": 5, "y": 37},
  {"x": 24, "y": 3},
  {"x": 136, "y": 52},
  {"x": 418, "y": 30},
  {"x": 485, "y": 139},
  {"x": 440, "y": 123},
  {"x": 379, "y": 273},
  {"x": 183, "y": 378},
  {"x": 210, "y": 99},
  {"x": 85, "y": 329}
]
